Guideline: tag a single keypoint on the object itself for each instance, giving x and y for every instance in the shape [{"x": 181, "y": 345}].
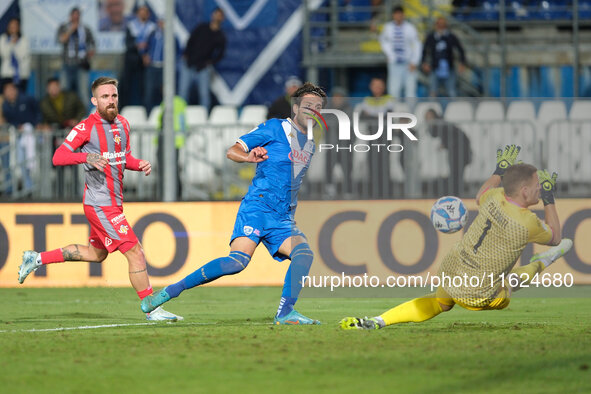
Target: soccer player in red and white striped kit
[{"x": 103, "y": 139}]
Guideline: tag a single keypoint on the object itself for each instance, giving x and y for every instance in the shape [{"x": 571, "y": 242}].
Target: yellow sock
[
  {"x": 527, "y": 272},
  {"x": 417, "y": 310}
]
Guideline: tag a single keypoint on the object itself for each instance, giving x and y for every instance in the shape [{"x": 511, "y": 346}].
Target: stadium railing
[{"x": 557, "y": 140}]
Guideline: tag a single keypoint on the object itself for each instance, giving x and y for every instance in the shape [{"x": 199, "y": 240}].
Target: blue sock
[
  {"x": 301, "y": 261},
  {"x": 229, "y": 265}
]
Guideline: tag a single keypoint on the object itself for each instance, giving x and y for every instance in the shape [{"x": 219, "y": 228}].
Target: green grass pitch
[{"x": 228, "y": 344}]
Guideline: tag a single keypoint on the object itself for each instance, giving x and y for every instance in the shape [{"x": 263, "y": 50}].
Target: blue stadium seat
[
  {"x": 585, "y": 9},
  {"x": 350, "y": 14},
  {"x": 514, "y": 88},
  {"x": 489, "y": 11},
  {"x": 515, "y": 10},
  {"x": 567, "y": 78},
  {"x": 494, "y": 86},
  {"x": 552, "y": 10}
]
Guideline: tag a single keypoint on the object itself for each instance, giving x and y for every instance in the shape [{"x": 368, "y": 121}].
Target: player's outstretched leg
[
  {"x": 539, "y": 262},
  {"x": 417, "y": 310},
  {"x": 151, "y": 302},
  {"x": 29, "y": 264},
  {"x": 301, "y": 260},
  {"x": 554, "y": 253},
  {"x": 232, "y": 264},
  {"x": 360, "y": 323}
]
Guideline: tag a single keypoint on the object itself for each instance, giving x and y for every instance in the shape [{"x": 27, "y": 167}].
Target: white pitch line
[
  {"x": 122, "y": 325},
  {"x": 79, "y": 328}
]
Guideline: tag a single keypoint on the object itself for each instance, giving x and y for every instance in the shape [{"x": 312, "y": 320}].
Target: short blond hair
[{"x": 516, "y": 176}]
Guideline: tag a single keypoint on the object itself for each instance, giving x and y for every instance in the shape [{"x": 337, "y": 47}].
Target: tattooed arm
[{"x": 96, "y": 160}]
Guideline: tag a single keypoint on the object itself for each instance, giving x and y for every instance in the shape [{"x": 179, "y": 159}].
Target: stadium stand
[
  {"x": 196, "y": 115},
  {"x": 253, "y": 115}
]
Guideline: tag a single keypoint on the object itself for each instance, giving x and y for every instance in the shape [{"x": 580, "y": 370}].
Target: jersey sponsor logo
[
  {"x": 81, "y": 126},
  {"x": 123, "y": 229},
  {"x": 117, "y": 219},
  {"x": 113, "y": 155},
  {"x": 247, "y": 230},
  {"x": 257, "y": 232},
  {"x": 108, "y": 241},
  {"x": 299, "y": 157},
  {"x": 117, "y": 139},
  {"x": 71, "y": 136}
]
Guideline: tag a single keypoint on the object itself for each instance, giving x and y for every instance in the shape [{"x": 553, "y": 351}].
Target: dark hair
[
  {"x": 19, "y": 34},
  {"x": 103, "y": 81},
  {"x": 9, "y": 83},
  {"x": 398, "y": 8},
  {"x": 75, "y": 9},
  {"x": 516, "y": 176},
  {"x": 308, "y": 88},
  {"x": 218, "y": 9},
  {"x": 432, "y": 112},
  {"x": 51, "y": 80}
]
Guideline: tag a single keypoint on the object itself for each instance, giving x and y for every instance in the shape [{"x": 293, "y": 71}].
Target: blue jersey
[{"x": 278, "y": 179}]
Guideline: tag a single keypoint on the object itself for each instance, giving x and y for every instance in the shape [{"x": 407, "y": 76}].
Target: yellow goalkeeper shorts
[{"x": 501, "y": 301}]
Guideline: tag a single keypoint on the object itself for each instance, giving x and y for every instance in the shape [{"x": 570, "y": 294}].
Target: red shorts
[{"x": 109, "y": 229}]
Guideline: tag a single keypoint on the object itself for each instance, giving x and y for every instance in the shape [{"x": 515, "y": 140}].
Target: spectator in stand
[
  {"x": 438, "y": 59},
  {"x": 61, "y": 109},
  {"x": 5, "y": 186},
  {"x": 112, "y": 15},
  {"x": 22, "y": 112},
  {"x": 206, "y": 47},
  {"x": 459, "y": 153},
  {"x": 16, "y": 56},
  {"x": 402, "y": 47},
  {"x": 136, "y": 46},
  {"x": 281, "y": 107},
  {"x": 154, "y": 63},
  {"x": 340, "y": 101},
  {"x": 378, "y": 103},
  {"x": 78, "y": 49},
  {"x": 370, "y": 110}
]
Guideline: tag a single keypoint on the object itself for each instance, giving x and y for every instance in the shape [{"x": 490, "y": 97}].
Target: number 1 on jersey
[{"x": 486, "y": 228}]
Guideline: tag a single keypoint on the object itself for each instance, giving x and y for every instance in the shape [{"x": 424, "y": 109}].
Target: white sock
[{"x": 380, "y": 321}]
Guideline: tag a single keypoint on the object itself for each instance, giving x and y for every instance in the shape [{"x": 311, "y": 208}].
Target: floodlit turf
[{"x": 228, "y": 344}]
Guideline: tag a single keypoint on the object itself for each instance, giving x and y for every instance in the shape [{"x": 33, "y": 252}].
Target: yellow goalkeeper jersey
[{"x": 490, "y": 248}]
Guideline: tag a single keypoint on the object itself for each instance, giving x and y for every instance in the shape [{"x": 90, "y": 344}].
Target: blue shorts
[{"x": 258, "y": 222}]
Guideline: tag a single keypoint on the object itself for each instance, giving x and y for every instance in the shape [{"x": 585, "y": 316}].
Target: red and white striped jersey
[{"x": 110, "y": 140}]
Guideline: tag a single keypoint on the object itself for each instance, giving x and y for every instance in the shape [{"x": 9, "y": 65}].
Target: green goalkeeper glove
[
  {"x": 548, "y": 184},
  {"x": 506, "y": 159}
]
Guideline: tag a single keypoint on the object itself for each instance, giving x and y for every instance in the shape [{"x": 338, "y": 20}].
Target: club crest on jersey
[
  {"x": 117, "y": 139},
  {"x": 108, "y": 241},
  {"x": 299, "y": 156},
  {"x": 247, "y": 230},
  {"x": 123, "y": 229}
]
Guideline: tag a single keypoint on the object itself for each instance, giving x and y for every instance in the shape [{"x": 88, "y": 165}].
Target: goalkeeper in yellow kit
[{"x": 491, "y": 246}]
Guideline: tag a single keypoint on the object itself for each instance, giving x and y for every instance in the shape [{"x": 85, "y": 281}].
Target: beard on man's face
[{"x": 109, "y": 113}]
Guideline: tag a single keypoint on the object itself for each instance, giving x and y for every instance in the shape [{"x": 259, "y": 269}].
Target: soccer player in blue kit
[{"x": 282, "y": 150}]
